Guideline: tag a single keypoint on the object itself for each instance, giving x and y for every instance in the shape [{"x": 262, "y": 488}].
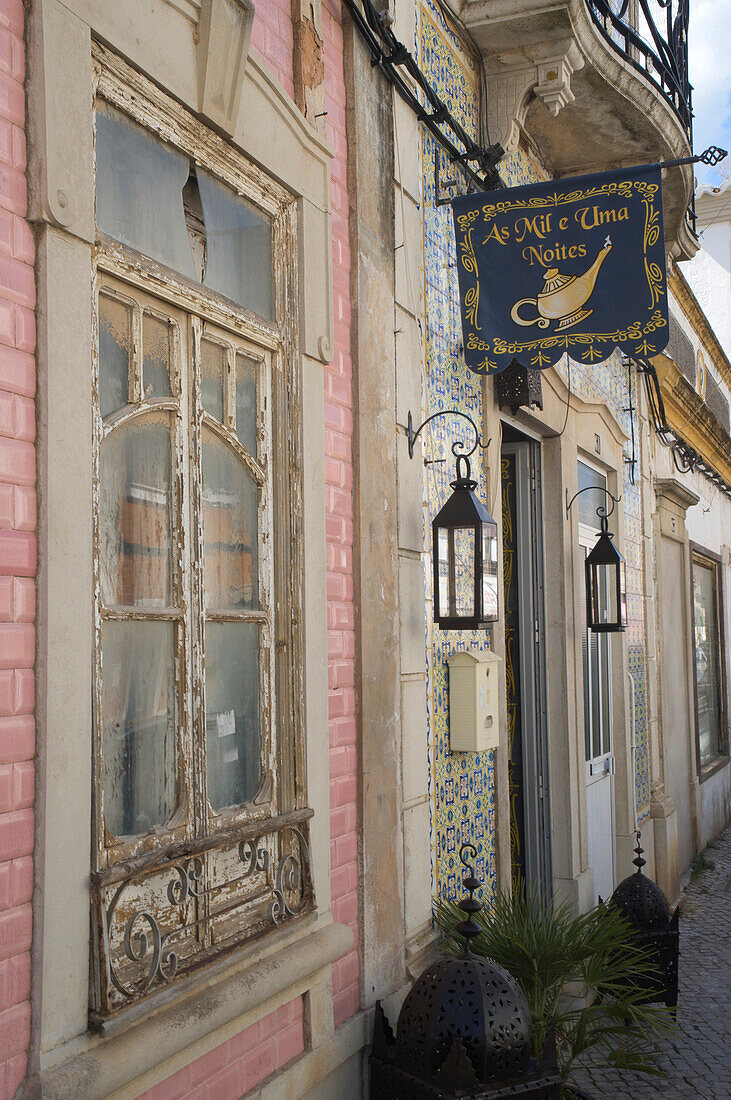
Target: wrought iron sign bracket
[
  {"x": 458, "y": 447},
  {"x": 712, "y": 156},
  {"x": 601, "y": 512}
]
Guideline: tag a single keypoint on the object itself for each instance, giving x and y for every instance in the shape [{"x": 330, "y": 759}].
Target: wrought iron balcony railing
[{"x": 652, "y": 36}]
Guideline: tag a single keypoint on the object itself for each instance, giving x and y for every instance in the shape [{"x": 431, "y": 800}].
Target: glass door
[{"x": 597, "y": 684}]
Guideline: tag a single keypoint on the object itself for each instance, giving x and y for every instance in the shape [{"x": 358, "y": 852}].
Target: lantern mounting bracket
[
  {"x": 601, "y": 512},
  {"x": 458, "y": 447}
]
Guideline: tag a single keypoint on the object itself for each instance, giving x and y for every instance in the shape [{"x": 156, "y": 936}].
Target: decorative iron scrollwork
[{"x": 157, "y": 924}]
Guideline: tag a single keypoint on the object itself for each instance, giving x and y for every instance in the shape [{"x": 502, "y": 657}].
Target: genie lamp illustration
[{"x": 563, "y": 296}]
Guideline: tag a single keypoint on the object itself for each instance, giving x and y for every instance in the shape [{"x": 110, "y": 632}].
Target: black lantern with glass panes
[
  {"x": 606, "y": 584},
  {"x": 465, "y": 558}
]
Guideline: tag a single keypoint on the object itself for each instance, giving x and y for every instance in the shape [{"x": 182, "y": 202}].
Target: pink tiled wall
[
  {"x": 273, "y": 39},
  {"x": 239, "y": 1065},
  {"x": 339, "y": 531},
  {"x": 17, "y": 558}
]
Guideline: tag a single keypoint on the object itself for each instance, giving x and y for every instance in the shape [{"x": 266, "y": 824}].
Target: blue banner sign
[{"x": 572, "y": 266}]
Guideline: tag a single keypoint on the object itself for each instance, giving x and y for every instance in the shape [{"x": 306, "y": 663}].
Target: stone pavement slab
[{"x": 698, "y": 1060}]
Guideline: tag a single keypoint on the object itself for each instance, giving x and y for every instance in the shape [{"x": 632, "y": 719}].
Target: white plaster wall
[
  {"x": 709, "y": 272},
  {"x": 709, "y": 278}
]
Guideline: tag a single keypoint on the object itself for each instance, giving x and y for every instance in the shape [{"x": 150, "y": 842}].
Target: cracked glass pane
[{"x": 139, "y": 191}]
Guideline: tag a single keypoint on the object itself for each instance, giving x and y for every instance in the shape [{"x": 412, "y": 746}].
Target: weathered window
[
  {"x": 200, "y": 818},
  {"x": 708, "y": 653}
]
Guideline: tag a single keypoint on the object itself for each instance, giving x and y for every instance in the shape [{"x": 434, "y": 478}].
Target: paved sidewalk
[{"x": 698, "y": 1061}]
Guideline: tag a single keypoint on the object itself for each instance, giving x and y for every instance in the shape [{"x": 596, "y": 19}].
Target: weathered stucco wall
[
  {"x": 17, "y": 557},
  {"x": 236, "y": 1067}
]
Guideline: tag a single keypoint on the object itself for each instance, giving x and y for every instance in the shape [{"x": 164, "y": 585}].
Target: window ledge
[
  {"x": 715, "y": 765},
  {"x": 194, "y": 1022}
]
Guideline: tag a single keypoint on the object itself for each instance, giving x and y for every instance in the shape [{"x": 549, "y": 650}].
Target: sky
[{"x": 709, "y": 44}]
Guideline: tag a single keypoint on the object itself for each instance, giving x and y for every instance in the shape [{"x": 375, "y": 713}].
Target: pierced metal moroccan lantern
[
  {"x": 465, "y": 558},
  {"x": 606, "y": 585}
]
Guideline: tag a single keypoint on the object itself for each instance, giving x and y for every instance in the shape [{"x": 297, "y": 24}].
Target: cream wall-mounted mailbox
[{"x": 473, "y": 701}]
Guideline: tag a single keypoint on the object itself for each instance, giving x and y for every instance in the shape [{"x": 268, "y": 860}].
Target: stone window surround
[
  {"x": 722, "y": 758},
  {"x": 296, "y": 960}
]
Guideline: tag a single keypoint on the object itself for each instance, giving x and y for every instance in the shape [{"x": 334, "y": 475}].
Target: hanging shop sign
[{"x": 571, "y": 266}]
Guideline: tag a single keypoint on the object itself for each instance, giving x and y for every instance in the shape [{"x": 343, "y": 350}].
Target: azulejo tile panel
[
  {"x": 462, "y": 791},
  {"x": 462, "y": 786}
]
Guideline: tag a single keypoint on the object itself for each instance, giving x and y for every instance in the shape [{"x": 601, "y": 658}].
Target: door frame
[{"x": 532, "y": 654}]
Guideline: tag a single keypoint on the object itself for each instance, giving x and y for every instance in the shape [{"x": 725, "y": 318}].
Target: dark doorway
[{"x": 530, "y": 839}]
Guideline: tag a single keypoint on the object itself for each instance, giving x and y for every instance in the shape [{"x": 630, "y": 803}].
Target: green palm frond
[{"x": 583, "y": 974}]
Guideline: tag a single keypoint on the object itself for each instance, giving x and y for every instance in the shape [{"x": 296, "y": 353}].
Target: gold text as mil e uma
[{"x": 541, "y": 226}]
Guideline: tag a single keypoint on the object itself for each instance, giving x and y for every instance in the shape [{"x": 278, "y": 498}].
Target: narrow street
[{"x": 698, "y": 1061}]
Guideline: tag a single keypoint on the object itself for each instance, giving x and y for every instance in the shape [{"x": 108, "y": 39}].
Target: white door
[{"x": 597, "y": 712}]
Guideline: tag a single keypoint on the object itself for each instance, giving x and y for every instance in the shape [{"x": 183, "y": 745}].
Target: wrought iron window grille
[{"x": 157, "y": 925}]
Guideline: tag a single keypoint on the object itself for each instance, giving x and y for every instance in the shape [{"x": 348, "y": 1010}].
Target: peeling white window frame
[
  {"x": 146, "y": 1042},
  {"x": 150, "y": 288}
]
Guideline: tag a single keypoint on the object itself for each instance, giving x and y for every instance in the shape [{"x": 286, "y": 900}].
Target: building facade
[{"x": 228, "y": 288}]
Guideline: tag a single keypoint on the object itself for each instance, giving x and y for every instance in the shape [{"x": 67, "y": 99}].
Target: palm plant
[{"x": 582, "y": 974}]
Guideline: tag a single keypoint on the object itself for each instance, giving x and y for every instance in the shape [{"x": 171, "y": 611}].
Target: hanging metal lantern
[
  {"x": 465, "y": 558},
  {"x": 517, "y": 386},
  {"x": 606, "y": 585}
]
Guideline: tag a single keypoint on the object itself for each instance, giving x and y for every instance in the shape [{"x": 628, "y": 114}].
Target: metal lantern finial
[{"x": 469, "y": 928}]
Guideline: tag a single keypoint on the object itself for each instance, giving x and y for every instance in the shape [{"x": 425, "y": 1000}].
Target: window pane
[
  {"x": 239, "y": 247},
  {"x": 443, "y": 572},
  {"x": 138, "y": 725},
  {"x": 464, "y": 571},
  {"x": 233, "y": 742},
  {"x": 708, "y": 681},
  {"x": 246, "y": 371},
  {"x": 139, "y": 191},
  {"x": 589, "y": 502},
  {"x": 595, "y": 693},
  {"x": 606, "y": 726},
  {"x": 230, "y": 529},
  {"x": 156, "y": 363},
  {"x": 135, "y": 514},
  {"x": 213, "y": 362},
  {"x": 115, "y": 343},
  {"x": 585, "y": 661},
  {"x": 489, "y": 574}
]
